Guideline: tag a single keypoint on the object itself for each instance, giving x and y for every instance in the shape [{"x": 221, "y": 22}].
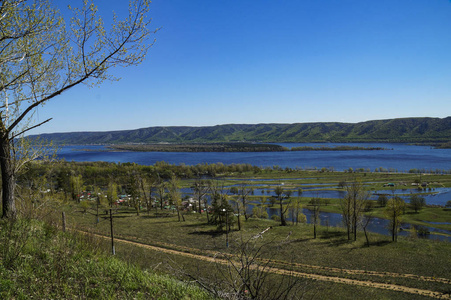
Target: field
[
  {"x": 329, "y": 266},
  {"x": 380, "y": 269},
  {"x": 158, "y": 227}
]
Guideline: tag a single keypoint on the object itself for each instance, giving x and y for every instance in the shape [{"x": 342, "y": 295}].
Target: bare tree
[
  {"x": 200, "y": 188},
  {"x": 246, "y": 273},
  {"x": 353, "y": 206},
  {"x": 244, "y": 191},
  {"x": 283, "y": 197},
  {"x": 315, "y": 205},
  {"x": 394, "y": 210},
  {"x": 41, "y": 57}
]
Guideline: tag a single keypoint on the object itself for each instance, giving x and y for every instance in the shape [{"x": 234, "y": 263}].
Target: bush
[
  {"x": 275, "y": 218},
  {"x": 259, "y": 212}
]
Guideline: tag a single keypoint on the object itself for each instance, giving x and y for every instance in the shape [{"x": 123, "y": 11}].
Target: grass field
[{"x": 410, "y": 263}]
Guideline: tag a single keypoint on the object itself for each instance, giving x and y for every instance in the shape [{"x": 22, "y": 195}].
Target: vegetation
[
  {"x": 290, "y": 248},
  {"x": 337, "y": 148},
  {"x": 407, "y": 130},
  {"x": 37, "y": 261},
  {"x": 210, "y": 147},
  {"x": 189, "y": 226},
  {"x": 42, "y": 57},
  {"x": 229, "y": 147}
]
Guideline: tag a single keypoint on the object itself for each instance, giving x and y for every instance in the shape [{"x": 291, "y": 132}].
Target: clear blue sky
[{"x": 288, "y": 61}]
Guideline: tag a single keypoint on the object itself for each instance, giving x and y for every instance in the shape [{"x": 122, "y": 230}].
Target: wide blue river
[{"x": 400, "y": 157}]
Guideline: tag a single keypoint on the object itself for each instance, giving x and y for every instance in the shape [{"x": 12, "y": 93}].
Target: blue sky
[{"x": 288, "y": 61}]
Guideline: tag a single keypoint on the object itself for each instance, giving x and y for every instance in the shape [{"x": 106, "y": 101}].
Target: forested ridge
[{"x": 404, "y": 130}]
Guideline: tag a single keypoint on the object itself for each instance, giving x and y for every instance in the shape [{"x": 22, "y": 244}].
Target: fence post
[{"x": 64, "y": 221}]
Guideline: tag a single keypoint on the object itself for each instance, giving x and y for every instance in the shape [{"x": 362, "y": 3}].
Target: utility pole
[{"x": 113, "y": 251}]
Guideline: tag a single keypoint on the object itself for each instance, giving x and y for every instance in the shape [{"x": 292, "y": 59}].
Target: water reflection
[{"x": 376, "y": 225}]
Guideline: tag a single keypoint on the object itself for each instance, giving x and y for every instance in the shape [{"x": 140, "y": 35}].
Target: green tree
[
  {"x": 222, "y": 211},
  {"x": 417, "y": 202},
  {"x": 112, "y": 193},
  {"x": 174, "y": 192},
  {"x": 42, "y": 56},
  {"x": 259, "y": 211},
  {"x": 133, "y": 190},
  {"x": 382, "y": 200},
  {"x": 76, "y": 187},
  {"x": 296, "y": 211},
  {"x": 161, "y": 191}
]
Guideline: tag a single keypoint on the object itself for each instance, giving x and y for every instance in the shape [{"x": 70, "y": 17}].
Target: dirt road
[{"x": 214, "y": 257}]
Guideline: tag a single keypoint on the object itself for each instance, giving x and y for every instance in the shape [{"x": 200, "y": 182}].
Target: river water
[{"x": 399, "y": 157}]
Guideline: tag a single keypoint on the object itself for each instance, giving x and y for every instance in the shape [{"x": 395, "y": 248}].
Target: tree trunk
[
  {"x": 8, "y": 180},
  {"x": 394, "y": 230},
  {"x": 354, "y": 219},
  {"x": 283, "y": 222},
  {"x": 239, "y": 223},
  {"x": 366, "y": 236},
  {"x": 206, "y": 209},
  {"x": 244, "y": 208}
]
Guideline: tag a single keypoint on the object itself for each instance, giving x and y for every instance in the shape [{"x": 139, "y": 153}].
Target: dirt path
[{"x": 366, "y": 283}]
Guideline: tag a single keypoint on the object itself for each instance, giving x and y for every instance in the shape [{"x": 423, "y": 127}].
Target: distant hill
[{"x": 405, "y": 130}]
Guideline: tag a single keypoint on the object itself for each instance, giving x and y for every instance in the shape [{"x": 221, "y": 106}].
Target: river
[{"x": 399, "y": 157}]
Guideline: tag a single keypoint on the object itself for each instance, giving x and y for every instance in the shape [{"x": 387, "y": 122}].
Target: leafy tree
[
  {"x": 76, "y": 187},
  {"x": 174, "y": 192},
  {"x": 221, "y": 207},
  {"x": 259, "y": 211},
  {"x": 417, "y": 202},
  {"x": 100, "y": 202},
  {"x": 296, "y": 211},
  {"x": 161, "y": 191},
  {"x": 382, "y": 200},
  {"x": 133, "y": 190},
  {"x": 112, "y": 193},
  {"x": 41, "y": 57}
]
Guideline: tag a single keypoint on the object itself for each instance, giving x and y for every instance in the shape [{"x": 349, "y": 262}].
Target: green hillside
[{"x": 406, "y": 130}]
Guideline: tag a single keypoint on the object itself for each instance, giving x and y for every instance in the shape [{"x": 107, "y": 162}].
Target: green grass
[
  {"x": 290, "y": 243},
  {"x": 38, "y": 262}
]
